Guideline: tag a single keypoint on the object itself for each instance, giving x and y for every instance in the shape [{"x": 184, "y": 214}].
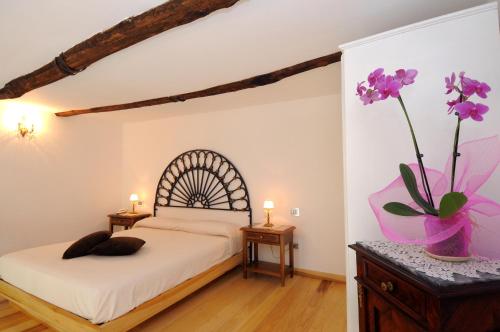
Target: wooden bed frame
[
  {"x": 199, "y": 179},
  {"x": 64, "y": 321}
]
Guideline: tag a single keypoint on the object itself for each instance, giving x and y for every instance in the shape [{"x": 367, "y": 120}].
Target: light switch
[{"x": 295, "y": 212}]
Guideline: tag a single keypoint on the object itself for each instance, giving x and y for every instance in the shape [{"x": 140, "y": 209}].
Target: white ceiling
[{"x": 252, "y": 37}]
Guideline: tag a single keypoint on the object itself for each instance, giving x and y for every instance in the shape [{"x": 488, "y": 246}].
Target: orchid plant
[{"x": 380, "y": 86}]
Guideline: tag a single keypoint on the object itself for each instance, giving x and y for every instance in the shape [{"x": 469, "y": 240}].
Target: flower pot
[{"x": 454, "y": 248}]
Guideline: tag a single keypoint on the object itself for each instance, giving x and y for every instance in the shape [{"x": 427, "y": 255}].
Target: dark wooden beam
[
  {"x": 135, "y": 29},
  {"x": 248, "y": 83}
]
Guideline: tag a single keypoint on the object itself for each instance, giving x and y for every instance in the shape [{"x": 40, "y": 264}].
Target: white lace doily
[{"x": 414, "y": 256}]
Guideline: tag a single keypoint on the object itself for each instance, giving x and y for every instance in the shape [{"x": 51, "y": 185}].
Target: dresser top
[{"x": 435, "y": 273}]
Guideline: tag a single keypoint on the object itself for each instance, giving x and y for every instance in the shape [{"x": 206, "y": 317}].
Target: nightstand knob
[
  {"x": 387, "y": 286},
  {"x": 261, "y": 237}
]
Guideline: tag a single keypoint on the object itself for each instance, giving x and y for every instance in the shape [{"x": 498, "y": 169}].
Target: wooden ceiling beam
[
  {"x": 128, "y": 32},
  {"x": 248, "y": 83}
]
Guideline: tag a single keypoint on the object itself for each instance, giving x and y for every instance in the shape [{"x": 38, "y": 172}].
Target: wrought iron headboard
[{"x": 202, "y": 179}]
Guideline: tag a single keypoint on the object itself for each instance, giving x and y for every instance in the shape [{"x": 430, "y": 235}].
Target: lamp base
[
  {"x": 268, "y": 219},
  {"x": 133, "y": 209}
]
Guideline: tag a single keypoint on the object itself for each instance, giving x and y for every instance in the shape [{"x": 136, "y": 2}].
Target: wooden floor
[{"x": 232, "y": 303}]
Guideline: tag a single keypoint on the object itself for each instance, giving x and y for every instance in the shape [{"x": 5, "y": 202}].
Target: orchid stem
[
  {"x": 421, "y": 167},
  {"x": 455, "y": 155},
  {"x": 455, "y": 150}
]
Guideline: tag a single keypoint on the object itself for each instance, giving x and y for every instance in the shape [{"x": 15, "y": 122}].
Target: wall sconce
[
  {"x": 134, "y": 198},
  {"x": 24, "y": 129},
  {"x": 22, "y": 119},
  {"x": 268, "y": 206}
]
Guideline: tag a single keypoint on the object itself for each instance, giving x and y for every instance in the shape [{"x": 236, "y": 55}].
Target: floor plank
[
  {"x": 232, "y": 303},
  {"x": 24, "y": 325},
  {"x": 7, "y": 311},
  {"x": 39, "y": 328},
  {"x": 12, "y": 320}
]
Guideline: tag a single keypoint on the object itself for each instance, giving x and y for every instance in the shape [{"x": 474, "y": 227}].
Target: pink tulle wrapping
[
  {"x": 476, "y": 221},
  {"x": 449, "y": 237}
]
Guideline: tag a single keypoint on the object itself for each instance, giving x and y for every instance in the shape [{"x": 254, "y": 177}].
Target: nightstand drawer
[
  {"x": 391, "y": 286},
  {"x": 122, "y": 222},
  {"x": 263, "y": 237}
]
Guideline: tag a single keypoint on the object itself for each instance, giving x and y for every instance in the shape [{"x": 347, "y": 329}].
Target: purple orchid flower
[
  {"x": 406, "y": 77},
  {"x": 451, "y": 104},
  {"x": 461, "y": 76},
  {"x": 450, "y": 83},
  {"x": 469, "y": 109},
  {"x": 360, "y": 89},
  {"x": 468, "y": 86},
  {"x": 388, "y": 86},
  {"x": 482, "y": 89},
  {"x": 370, "y": 96},
  {"x": 374, "y": 76}
]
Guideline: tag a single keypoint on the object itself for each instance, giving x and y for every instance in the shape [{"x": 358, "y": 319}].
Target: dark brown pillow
[
  {"x": 118, "y": 246},
  {"x": 83, "y": 246}
]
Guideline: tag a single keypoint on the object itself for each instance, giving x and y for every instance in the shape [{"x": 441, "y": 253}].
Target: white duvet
[{"x": 103, "y": 288}]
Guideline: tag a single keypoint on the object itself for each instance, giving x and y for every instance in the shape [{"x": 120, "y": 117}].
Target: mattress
[{"x": 101, "y": 289}]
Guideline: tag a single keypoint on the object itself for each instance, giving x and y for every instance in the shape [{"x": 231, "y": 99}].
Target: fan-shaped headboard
[{"x": 202, "y": 179}]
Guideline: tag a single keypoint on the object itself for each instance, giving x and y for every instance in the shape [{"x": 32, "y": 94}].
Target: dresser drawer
[
  {"x": 409, "y": 297},
  {"x": 262, "y": 237}
]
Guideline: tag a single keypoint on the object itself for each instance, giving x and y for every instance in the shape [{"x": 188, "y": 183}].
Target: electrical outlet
[
  {"x": 139, "y": 203},
  {"x": 295, "y": 212},
  {"x": 295, "y": 245}
]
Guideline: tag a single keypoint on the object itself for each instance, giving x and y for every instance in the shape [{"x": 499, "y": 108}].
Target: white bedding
[{"x": 103, "y": 288}]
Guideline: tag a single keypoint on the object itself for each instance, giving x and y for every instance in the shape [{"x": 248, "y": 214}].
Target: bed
[{"x": 201, "y": 201}]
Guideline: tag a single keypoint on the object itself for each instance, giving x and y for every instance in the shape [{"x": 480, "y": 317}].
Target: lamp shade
[
  {"x": 268, "y": 205},
  {"x": 134, "y": 198}
]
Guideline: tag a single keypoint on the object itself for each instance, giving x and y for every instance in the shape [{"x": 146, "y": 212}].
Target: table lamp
[
  {"x": 268, "y": 206},
  {"x": 134, "y": 198}
]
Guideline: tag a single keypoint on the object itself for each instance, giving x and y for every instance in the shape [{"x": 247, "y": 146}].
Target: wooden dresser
[{"x": 393, "y": 298}]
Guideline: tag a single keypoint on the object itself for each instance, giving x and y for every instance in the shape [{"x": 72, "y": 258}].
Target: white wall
[
  {"x": 60, "y": 185},
  {"x": 376, "y": 137},
  {"x": 286, "y": 144}
]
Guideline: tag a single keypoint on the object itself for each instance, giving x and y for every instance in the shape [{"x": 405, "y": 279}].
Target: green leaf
[
  {"x": 451, "y": 203},
  {"x": 401, "y": 209},
  {"x": 411, "y": 185}
]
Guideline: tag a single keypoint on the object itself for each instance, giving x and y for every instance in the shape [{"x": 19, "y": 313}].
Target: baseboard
[{"x": 320, "y": 275}]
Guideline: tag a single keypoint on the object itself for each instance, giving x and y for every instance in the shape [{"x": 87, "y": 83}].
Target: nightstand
[
  {"x": 279, "y": 235},
  {"x": 125, "y": 219}
]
